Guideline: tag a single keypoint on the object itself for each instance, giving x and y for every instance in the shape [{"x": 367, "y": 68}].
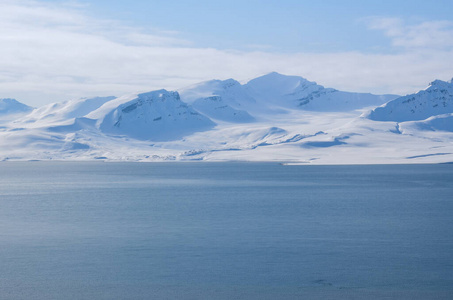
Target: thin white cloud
[
  {"x": 51, "y": 53},
  {"x": 428, "y": 34}
]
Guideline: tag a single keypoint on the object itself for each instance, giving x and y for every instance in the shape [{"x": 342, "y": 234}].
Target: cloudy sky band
[{"x": 53, "y": 52}]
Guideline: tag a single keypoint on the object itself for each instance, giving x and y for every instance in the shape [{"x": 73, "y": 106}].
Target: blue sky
[
  {"x": 56, "y": 49},
  {"x": 281, "y": 26}
]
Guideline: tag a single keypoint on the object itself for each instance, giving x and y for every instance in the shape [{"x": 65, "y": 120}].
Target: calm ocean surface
[{"x": 80, "y": 230}]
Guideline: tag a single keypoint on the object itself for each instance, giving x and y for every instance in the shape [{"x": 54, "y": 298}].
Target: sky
[{"x": 56, "y": 50}]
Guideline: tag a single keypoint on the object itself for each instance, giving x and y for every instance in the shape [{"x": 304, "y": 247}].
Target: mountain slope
[{"x": 435, "y": 100}]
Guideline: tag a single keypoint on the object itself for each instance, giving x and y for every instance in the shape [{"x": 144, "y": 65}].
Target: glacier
[{"x": 275, "y": 117}]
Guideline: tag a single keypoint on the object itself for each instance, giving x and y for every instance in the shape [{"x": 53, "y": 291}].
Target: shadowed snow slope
[
  {"x": 12, "y": 106},
  {"x": 435, "y": 100},
  {"x": 158, "y": 116}
]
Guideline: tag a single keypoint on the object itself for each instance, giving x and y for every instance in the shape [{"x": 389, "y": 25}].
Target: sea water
[{"x": 94, "y": 230}]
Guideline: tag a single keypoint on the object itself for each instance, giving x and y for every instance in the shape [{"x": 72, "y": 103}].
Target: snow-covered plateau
[{"x": 271, "y": 118}]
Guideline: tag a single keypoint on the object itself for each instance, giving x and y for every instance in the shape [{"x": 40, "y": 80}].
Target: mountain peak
[
  {"x": 210, "y": 88},
  {"x": 274, "y": 74},
  {"x": 277, "y": 80},
  {"x": 12, "y": 106},
  {"x": 440, "y": 84},
  {"x": 274, "y": 86},
  {"x": 161, "y": 94},
  {"x": 279, "y": 76},
  {"x": 229, "y": 82}
]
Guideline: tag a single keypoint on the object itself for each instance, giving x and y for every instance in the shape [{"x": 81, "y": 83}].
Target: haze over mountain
[{"x": 271, "y": 118}]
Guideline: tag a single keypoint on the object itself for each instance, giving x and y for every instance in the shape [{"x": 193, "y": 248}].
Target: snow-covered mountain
[
  {"x": 220, "y": 100},
  {"x": 271, "y": 118},
  {"x": 295, "y": 91},
  {"x": 12, "y": 106},
  {"x": 273, "y": 87},
  {"x": 233, "y": 102},
  {"x": 158, "y": 116},
  {"x": 435, "y": 100}
]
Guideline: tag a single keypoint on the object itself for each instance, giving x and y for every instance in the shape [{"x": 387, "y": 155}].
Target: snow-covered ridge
[
  {"x": 270, "y": 118},
  {"x": 436, "y": 99}
]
